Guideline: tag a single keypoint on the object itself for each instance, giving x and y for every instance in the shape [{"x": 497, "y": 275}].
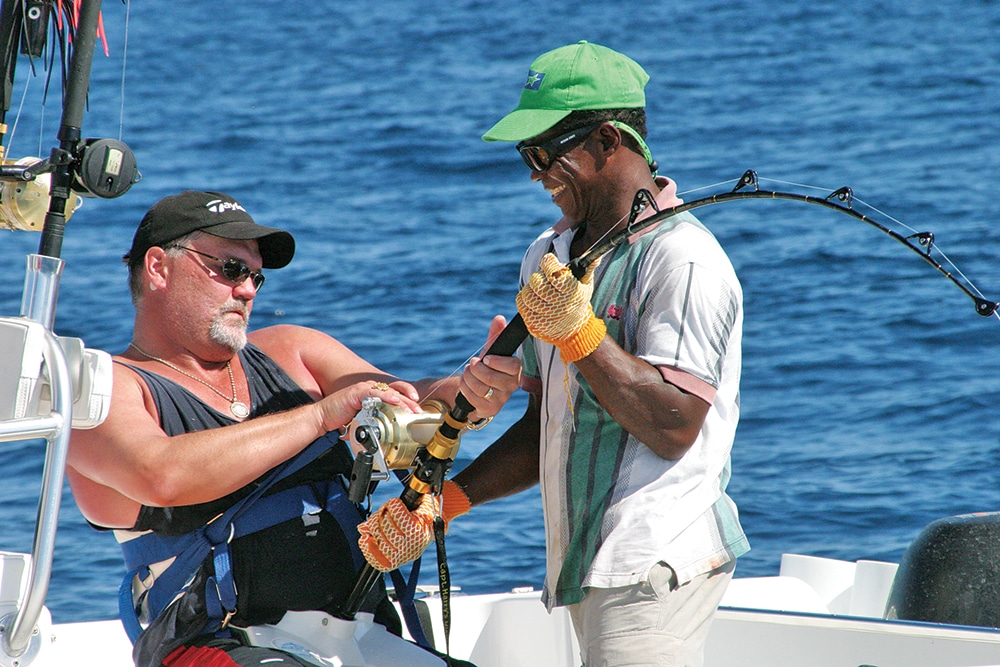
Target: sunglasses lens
[
  {"x": 236, "y": 271},
  {"x": 535, "y": 157}
]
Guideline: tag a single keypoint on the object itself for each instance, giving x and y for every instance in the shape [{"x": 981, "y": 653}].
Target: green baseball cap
[{"x": 571, "y": 78}]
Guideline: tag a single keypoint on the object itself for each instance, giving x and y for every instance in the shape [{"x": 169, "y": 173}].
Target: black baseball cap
[{"x": 213, "y": 213}]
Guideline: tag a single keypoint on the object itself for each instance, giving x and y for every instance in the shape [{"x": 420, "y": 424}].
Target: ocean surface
[{"x": 870, "y": 390}]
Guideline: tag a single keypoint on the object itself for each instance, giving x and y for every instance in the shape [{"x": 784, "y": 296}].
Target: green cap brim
[{"x": 522, "y": 124}]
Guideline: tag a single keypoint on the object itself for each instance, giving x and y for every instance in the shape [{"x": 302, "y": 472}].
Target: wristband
[
  {"x": 583, "y": 342},
  {"x": 454, "y": 502}
]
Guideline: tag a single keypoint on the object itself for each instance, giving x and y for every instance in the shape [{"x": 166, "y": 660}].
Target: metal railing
[{"x": 40, "y": 290}]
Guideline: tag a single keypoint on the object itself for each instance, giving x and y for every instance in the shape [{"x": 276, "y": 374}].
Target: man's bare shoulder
[
  {"x": 132, "y": 402},
  {"x": 290, "y": 345},
  {"x": 284, "y": 336},
  {"x": 314, "y": 359},
  {"x": 290, "y": 340}
]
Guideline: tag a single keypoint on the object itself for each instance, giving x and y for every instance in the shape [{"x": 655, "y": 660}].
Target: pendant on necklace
[{"x": 239, "y": 409}]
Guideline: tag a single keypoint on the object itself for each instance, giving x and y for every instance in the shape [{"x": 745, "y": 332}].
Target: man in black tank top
[{"x": 209, "y": 421}]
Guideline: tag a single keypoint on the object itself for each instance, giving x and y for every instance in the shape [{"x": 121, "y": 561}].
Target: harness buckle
[{"x": 228, "y": 617}]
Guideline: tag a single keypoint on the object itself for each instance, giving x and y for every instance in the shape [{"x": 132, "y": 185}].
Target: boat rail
[{"x": 18, "y": 628}]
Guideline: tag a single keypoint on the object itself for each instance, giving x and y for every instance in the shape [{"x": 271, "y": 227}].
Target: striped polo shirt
[{"x": 612, "y": 507}]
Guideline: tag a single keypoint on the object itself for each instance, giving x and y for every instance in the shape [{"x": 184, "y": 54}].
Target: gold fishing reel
[
  {"x": 386, "y": 437},
  {"x": 102, "y": 168},
  {"x": 23, "y": 204}
]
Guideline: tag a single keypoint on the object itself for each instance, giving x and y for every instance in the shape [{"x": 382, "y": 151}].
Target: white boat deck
[{"x": 816, "y": 612}]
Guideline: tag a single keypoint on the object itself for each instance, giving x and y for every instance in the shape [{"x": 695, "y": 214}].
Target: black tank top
[{"x": 301, "y": 564}]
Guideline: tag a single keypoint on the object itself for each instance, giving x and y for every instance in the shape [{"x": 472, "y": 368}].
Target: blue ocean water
[{"x": 869, "y": 390}]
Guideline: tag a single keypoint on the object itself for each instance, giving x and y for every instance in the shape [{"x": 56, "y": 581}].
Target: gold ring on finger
[
  {"x": 381, "y": 386},
  {"x": 488, "y": 394}
]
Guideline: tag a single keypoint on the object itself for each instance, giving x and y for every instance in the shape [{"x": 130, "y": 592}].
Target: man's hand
[
  {"x": 340, "y": 407},
  {"x": 488, "y": 383},
  {"x": 394, "y": 535},
  {"x": 556, "y": 309}
]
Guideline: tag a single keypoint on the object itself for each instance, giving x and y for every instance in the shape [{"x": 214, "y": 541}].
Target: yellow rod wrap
[
  {"x": 441, "y": 447},
  {"x": 454, "y": 423},
  {"x": 422, "y": 488}
]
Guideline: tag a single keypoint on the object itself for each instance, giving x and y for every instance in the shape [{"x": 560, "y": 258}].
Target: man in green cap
[{"x": 633, "y": 373}]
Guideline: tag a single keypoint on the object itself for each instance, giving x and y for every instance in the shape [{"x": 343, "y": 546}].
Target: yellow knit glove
[
  {"x": 556, "y": 308},
  {"x": 394, "y": 535}
]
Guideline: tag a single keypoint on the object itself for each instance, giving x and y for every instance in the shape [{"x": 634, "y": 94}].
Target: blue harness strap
[
  {"x": 405, "y": 591},
  {"x": 252, "y": 513}
]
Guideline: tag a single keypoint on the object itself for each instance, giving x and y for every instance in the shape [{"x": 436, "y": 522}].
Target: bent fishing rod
[
  {"x": 434, "y": 462},
  {"x": 515, "y": 333}
]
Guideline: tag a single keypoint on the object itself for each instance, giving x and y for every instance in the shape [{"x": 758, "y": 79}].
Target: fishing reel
[
  {"x": 386, "y": 437},
  {"x": 104, "y": 168},
  {"x": 23, "y": 202}
]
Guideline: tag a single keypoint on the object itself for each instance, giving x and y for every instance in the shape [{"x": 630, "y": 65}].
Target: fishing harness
[{"x": 254, "y": 512}]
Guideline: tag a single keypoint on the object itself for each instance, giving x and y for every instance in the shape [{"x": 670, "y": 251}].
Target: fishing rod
[
  {"x": 433, "y": 462},
  {"x": 104, "y": 168},
  {"x": 515, "y": 333},
  {"x": 923, "y": 246}
]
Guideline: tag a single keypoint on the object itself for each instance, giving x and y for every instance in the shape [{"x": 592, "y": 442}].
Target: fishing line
[
  {"x": 17, "y": 117},
  {"x": 930, "y": 242},
  {"x": 794, "y": 184},
  {"x": 709, "y": 187},
  {"x": 935, "y": 247},
  {"x": 121, "y": 113},
  {"x": 605, "y": 234},
  {"x": 454, "y": 373}
]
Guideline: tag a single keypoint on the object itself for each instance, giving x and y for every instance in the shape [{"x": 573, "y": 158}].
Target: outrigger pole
[{"x": 434, "y": 462}]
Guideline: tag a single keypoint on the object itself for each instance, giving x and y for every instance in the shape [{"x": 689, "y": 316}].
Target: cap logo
[
  {"x": 219, "y": 206},
  {"x": 534, "y": 81}
]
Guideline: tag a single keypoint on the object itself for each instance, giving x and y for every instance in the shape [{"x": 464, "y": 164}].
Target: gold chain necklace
[{"x": 236, "y": 406}]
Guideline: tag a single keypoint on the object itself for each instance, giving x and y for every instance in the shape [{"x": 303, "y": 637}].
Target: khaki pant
[{"x": 653, "y": 623}]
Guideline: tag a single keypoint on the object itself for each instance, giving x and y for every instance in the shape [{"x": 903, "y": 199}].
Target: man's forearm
[{"x": 508, "y": 466}]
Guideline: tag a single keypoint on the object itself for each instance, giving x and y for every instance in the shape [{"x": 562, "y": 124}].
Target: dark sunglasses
[
  {"x": 540, "y": 158},
  {"x": 235, "y": 270}
]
